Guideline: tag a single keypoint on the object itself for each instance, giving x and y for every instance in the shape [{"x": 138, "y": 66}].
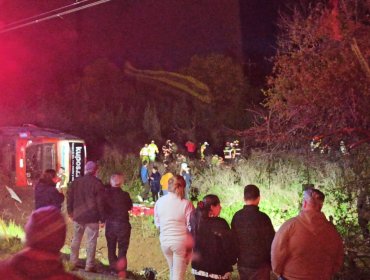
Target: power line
[
  {"x": 6, "y": 26},
  {"x": 57, "y": 15}
]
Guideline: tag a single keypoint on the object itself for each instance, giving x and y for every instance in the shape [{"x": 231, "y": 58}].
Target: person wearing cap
[
  {"x": 254, "y": 233},
  {"x": 307, "y": 246},
  {"x": 40, "y": 259},
  {"x": 85, "y": 206},
  {"x": 171, "y": 217}
]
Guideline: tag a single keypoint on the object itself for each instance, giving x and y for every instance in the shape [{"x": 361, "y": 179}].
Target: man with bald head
[{"x": 308, "y": 246}]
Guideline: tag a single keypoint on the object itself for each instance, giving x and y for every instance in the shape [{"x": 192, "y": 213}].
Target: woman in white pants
[{"x": 172, "y": 214}]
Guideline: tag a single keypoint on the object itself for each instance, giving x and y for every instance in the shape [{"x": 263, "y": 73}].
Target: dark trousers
[
  {"x": 262, "y": 273},
  {"x": 117, "y": 235},
  {"x": 155, "y": 196}
]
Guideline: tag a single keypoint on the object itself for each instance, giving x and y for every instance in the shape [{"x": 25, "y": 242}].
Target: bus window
[{"x": 39, "y": 157}]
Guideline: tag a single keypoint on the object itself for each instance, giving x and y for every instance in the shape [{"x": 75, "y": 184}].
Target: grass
[
  {"x": 280, "y": 180},
  {"x": 10, "y": 230}
]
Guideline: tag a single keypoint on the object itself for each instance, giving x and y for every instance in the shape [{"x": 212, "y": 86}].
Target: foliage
[
  {"x": 151, "y": 123},
  {"x": 229, "y": 92},
  {"x": 113, "y": 161},
  {"x": 280, "y": 180},
  {"x": 10, "y": 230},
  {"x": 320, "y": 82}
]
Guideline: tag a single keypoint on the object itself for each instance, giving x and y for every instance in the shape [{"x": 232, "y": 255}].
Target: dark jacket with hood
[
  {"x": 307, "y": 247},
  {"x": 47, "y": 195},
  {"x": 85, "y": 200},
  {"x": 40, "y": 260}
]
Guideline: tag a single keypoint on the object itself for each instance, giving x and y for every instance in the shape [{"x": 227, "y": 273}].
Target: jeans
[
  {"x": 175, "y": 255},
  {"x": 146, "y": 190},
  {"x": 117, "y": 235},
  {"x": 262, "y": 273},
  {"x": 92, "y": 232}
]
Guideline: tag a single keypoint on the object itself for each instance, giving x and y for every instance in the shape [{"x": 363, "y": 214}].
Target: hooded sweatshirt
[
  {"x": 36, "y": 265},
  {"x": 307, "y": 247}
]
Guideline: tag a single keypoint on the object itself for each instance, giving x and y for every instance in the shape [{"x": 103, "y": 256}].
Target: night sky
[{"x": 149, "y": 33}]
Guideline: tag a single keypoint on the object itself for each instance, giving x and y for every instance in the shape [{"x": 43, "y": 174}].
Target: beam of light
[{"x": 56, "y": 15}]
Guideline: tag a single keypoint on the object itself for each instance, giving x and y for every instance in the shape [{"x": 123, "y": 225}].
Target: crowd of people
[{"x": 305, "y": 247}]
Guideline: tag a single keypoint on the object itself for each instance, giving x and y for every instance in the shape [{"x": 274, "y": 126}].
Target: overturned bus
[{"x": 27, "y": 151}]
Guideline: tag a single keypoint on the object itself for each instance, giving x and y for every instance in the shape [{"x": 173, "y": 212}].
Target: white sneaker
[{"x": 139, "y": 198}]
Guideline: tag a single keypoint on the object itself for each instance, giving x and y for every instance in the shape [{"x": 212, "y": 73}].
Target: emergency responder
[
  {"x": 152, "y": 151},
  {"x": 227, "y": 151},
  {"x": 144, "y": 153},
  {"x": 203, "y": 148}
]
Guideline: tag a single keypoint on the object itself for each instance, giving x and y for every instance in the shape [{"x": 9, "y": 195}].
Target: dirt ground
[{"x": 144, "y": 250}]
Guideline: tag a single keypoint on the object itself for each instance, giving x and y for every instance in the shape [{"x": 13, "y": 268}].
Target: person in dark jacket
[
  {"x": 40, "y": 259},
  {"x": 254, "y": 234},
  {"x": 214, "y": 250},
  {"x": 155, "y": 185},
  {"x": 46, "y": 193},
  {"x": 118, "y": 228},
  {"x": 85, "y": 205}
]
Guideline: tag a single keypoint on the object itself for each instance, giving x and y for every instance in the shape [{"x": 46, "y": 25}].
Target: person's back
[
  {"x": 40, "y": 259},
  {"x": 308, "y": 246},
  {"x": 214, "y": 247},
  {"x": 171, "y": 215},
  {"x": 46, "y": 193},
  {"x": 118, "y": 204},
  {"x": 172, "y": 224},
  {"x": 85, "y": 199},
  {"x": 254, "y": 234},
  {"x": 164, "y": 181},
  {"x": 85, "y": 205},
  {"x": 118, "y": 228}
]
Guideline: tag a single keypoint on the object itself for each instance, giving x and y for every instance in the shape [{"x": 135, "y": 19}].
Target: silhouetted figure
[
  {"x": 171, "y": 216},
  {"x": 46, "y": 193},
  {"x": 85, "y": 205},
  {"x": 40, "y": 259},
  {"x": 214, "y": 247},
  {"x": 254, "y": 234},
  {"x": 307, "y": 246},
  {"x": 117, "y": 227}
]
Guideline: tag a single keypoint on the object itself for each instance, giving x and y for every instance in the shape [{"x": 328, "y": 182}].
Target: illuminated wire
[
  {"x": 58, "y": 15},
  {"x": 43, "y": 14}
]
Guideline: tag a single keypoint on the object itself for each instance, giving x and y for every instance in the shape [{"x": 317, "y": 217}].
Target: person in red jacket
[{"x": 40, "y": 259}]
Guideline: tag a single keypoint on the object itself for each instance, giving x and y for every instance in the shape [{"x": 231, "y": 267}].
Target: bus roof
[{"x": 32, "y": 131}]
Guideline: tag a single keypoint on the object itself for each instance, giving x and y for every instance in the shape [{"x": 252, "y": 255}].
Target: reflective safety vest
[{"x": 144, "y": 151}]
